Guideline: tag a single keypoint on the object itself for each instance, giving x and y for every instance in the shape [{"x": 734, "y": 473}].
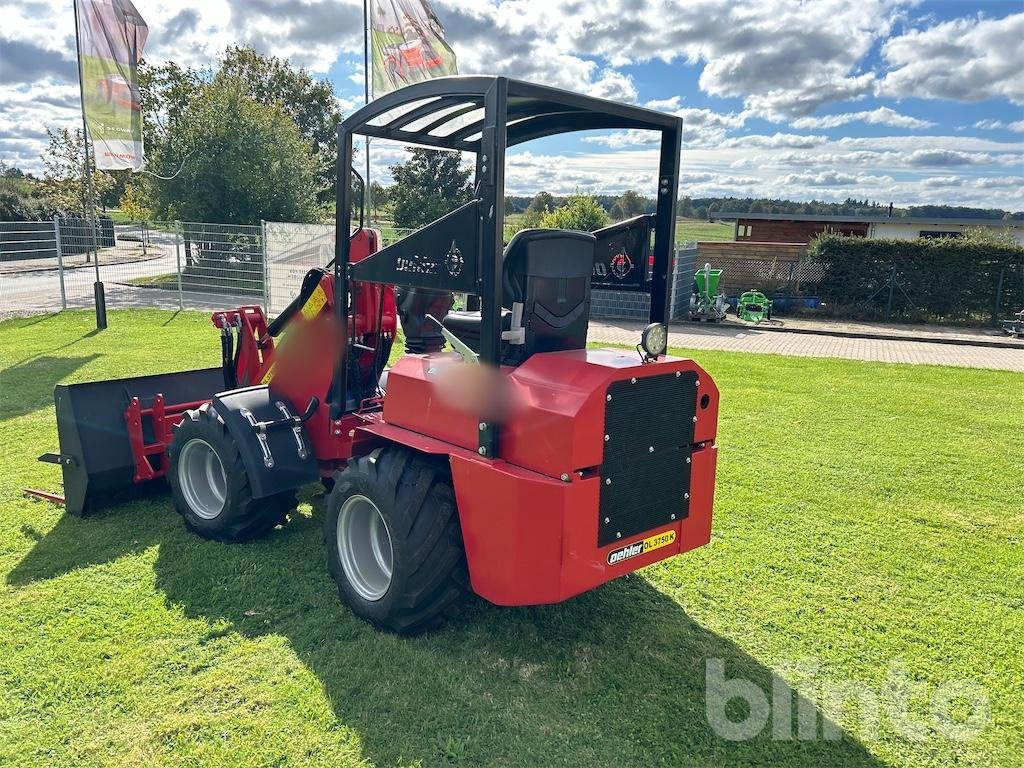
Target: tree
[
  {"x": 22, "y": 197},
  {"x": 542, "y": 203},
  {"x": 8, "y": 171},
  {"x": 380, "y": 197},
  {"x": 580, "y": 212},
  {"x": 428, "y": 185},
  {"x": 64, "y": 177},
  {"x": 168, "y": 90},
  {"x": 243, "y": 161},
  {"x": 310, "y": 103},
  {"x": 165, "y": 93},
  {"x": 991, "y": 236},
  {"x": 630, "y": 204}
]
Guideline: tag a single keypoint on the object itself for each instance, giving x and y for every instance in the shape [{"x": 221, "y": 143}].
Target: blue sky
[{"x": 892, "y": 100}]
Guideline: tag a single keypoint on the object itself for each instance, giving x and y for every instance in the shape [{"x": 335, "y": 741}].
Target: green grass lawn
[
  {"x": 699, "y": 229},
  {"x": 867, "y": 515},
  {"x": 119, "y": 216},
  {"x": 686, "y": 229}
]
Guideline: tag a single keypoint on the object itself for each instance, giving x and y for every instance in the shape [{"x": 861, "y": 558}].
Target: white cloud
[
  {"x": 943, "y": 182},
  {"x": 878, "y": 116},
  {"x": 1017, "y": 126},
  {"x": 777, "y": 141},
  {"x": 833, "y": 179},
  {"x": 939, "y": 158},
  {"x": 784, "y": 58},
  {"x": 968, "y": 59},
  {"x": 26, "y": 112},
  {"x": 781, "y": 59},
  {"x": 701, "y": 127},
  {"x": 999, "y": 182}
]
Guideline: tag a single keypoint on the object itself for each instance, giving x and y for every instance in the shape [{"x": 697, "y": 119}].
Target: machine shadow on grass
[
  {"x": 615, "y": 676},
  {"x": 27, "y": 385}
]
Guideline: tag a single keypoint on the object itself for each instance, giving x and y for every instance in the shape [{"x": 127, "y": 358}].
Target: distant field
[
  {"x": 686, "y": 229},
  {"x": 699, "y": 229}
]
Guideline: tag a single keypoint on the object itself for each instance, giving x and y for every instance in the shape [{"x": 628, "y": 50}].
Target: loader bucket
[
  {"x": 95, "y": 452},
  {"x": 707, "y": 281}
]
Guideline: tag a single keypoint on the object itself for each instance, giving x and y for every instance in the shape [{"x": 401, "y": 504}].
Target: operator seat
[{"x": 547, "y": 271}]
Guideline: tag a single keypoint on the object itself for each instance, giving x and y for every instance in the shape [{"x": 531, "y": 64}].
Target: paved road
[
  {"x": 37, "y": 291},
  {"x": 751, "y": 339}
]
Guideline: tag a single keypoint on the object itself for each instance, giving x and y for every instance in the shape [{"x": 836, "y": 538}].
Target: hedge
[{"x": 952, "y": 280}]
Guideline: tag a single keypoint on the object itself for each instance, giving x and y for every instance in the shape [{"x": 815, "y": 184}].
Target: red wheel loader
[{"x": 519, "y": 465}]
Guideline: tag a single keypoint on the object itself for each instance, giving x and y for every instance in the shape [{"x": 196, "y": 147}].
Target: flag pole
[
  {"x": 97, "y": 286},
  {"x": 366, "y": 95}
]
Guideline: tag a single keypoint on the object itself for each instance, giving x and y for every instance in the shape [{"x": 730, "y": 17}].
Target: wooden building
[{"x": 796, "y": 228}]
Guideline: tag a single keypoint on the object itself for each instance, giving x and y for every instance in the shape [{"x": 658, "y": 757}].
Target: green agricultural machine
[
  {"x": 706, "y": 303},
  {"x": 753, "y": 307}
]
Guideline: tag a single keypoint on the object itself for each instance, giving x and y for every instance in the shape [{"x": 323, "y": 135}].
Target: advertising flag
[
  {"x": 407, "y": 45},
  {"x": 111, "y": 36}
]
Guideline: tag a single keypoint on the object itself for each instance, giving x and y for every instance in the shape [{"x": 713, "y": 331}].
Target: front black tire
[
  {"x": 424, "y": 580},
  {"x": 210, "y": 487}
]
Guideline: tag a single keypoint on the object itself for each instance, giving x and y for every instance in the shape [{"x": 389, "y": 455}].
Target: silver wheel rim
[
  {"x": 202, "y": 479},
  {"x": 364, "y": 547}
]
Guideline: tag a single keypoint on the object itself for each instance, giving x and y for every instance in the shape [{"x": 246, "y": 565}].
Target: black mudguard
[{"x": 283, "y": 459}]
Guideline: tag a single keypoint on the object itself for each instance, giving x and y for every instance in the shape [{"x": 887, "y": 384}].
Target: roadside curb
[
  {"x": 90, "y": 265},
  {"x": 993, "y": 343}
]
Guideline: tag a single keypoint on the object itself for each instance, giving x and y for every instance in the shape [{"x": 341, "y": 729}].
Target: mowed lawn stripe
[{"x": 868, "y": 522}]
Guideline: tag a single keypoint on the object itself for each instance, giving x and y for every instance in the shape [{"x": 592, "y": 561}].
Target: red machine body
[
  {"x": 569, "y": 466},
  {"x": 372, "y": 321},
  {"x": 529, "y": 519}
]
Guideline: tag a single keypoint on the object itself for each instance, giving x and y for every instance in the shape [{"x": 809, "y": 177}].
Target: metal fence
[
  {"x": 49, "y": 266},
  {"x": 52, "y": 265}
]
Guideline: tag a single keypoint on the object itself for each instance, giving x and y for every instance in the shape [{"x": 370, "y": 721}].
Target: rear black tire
[
  {"x": 241, "y": 517},
  {"x": 414, "y": 497}
]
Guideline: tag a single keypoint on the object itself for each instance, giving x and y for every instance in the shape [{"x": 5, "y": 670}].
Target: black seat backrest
[{"x": 548, "y": 272}]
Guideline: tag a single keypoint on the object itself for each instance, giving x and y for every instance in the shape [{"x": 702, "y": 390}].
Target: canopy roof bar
[
  {"x": 533, "y": 111},
  {"x": 425, "y": 110},
  {"x": 451, "y": 117},
  {"x": 485, "y": 116}
]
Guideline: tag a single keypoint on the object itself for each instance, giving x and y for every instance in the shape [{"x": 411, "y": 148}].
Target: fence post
[
  {"x": 266, "y": 268},
  {"x": 999, "y": 297},
  {"x": 60, "y": 262},
  {"x": 177, "y": 258},
  {"x": 892, "y": 286}
]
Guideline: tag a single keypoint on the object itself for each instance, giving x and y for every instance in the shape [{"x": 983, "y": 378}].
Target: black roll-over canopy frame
[{"x": 485, "y": 116}]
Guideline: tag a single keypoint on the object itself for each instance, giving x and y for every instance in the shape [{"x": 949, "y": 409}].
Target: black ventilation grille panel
[{"x": 645, "y": 475}]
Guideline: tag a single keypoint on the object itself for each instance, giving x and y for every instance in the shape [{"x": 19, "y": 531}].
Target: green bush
[
  {"x": 938, "y": 280},
  {"x": 580, "y": 212}
]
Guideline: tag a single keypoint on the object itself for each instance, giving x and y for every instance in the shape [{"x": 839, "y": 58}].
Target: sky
[{"x": 891, "y": 100}]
